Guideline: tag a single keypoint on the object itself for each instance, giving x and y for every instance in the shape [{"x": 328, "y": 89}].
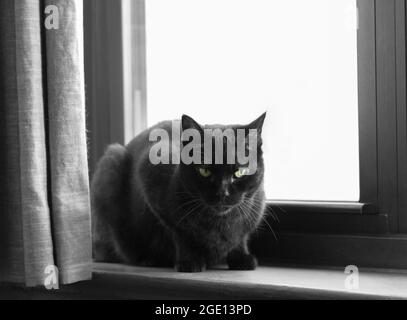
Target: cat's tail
[{"x": 108, "y": 189}]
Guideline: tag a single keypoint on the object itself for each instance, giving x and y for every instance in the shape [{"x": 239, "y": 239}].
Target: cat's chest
[{"x": 221, "y": 235}]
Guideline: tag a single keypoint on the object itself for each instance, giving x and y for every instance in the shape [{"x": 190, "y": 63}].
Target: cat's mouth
[{"x": 222, "y": 209}]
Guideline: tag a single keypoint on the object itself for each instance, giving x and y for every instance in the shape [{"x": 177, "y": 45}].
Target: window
[
  {"x": 296, "y": 59},
  {"x": 200, "y": 63}
]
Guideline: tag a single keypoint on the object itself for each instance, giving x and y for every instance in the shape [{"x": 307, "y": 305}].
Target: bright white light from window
[{"x": 227, "y": 61}]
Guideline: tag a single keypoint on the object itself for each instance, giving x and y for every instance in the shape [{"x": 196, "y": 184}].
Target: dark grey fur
[{"x": 166, "y": 215}]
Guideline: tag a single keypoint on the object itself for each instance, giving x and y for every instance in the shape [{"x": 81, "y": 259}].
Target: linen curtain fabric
[{"x": 44, "y": 188}]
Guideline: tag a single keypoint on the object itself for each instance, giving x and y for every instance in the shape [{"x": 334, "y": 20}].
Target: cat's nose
[{"x": 223, "y": 194}]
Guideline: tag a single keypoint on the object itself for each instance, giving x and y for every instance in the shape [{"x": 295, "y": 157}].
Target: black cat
[{"x": 190, "y": 216}]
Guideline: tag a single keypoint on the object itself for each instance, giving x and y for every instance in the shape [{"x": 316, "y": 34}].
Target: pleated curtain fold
[{"x": 44, "y": 187}]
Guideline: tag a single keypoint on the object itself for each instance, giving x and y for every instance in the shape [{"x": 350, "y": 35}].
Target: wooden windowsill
[
  {"x": 271, "y": 282},
  {"x": 116, "y": 281}
]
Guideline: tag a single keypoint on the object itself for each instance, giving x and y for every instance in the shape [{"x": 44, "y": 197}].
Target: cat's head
[{"x": 223, "y": 186}]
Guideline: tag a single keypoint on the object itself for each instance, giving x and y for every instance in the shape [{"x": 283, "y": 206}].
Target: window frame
[
  {"x": 371, "y": 232},
  {"x": 370, "y": 229}
]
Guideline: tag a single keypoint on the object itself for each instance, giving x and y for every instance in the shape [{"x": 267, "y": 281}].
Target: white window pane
[{"x": 227, "y": 61}]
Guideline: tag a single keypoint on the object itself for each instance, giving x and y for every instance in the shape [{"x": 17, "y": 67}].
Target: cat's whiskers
[
  {"x": 246, "y": 219},
  {"x": 272, "y": 213},
  {"x": 249, "y": 210},
  {"x": 268, "y": 209},
  {"x": 271, "y": 229},
  {"x": 282, "y": 210},
  {"x": 186, "y": 204},
  {"x": 194, "y": 208},
  {"x": 256, "y": 206}
]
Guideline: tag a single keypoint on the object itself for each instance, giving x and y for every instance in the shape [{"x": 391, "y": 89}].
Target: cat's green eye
[
  {"x": 241, "y": 172},
  {"x": 204, "y": 172}
]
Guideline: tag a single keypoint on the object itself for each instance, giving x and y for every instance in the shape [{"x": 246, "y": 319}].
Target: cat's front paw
[
  {"x": 242, "y": 262},
  {"x": 189, "y": 266}
]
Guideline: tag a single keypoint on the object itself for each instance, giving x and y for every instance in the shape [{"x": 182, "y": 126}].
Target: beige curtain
[{"x": 44, "y": 191}]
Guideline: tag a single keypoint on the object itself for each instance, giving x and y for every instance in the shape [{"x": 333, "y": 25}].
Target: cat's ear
[
  {"x": 188, "y": 123},
  {"x": 257, "y": 124}
]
